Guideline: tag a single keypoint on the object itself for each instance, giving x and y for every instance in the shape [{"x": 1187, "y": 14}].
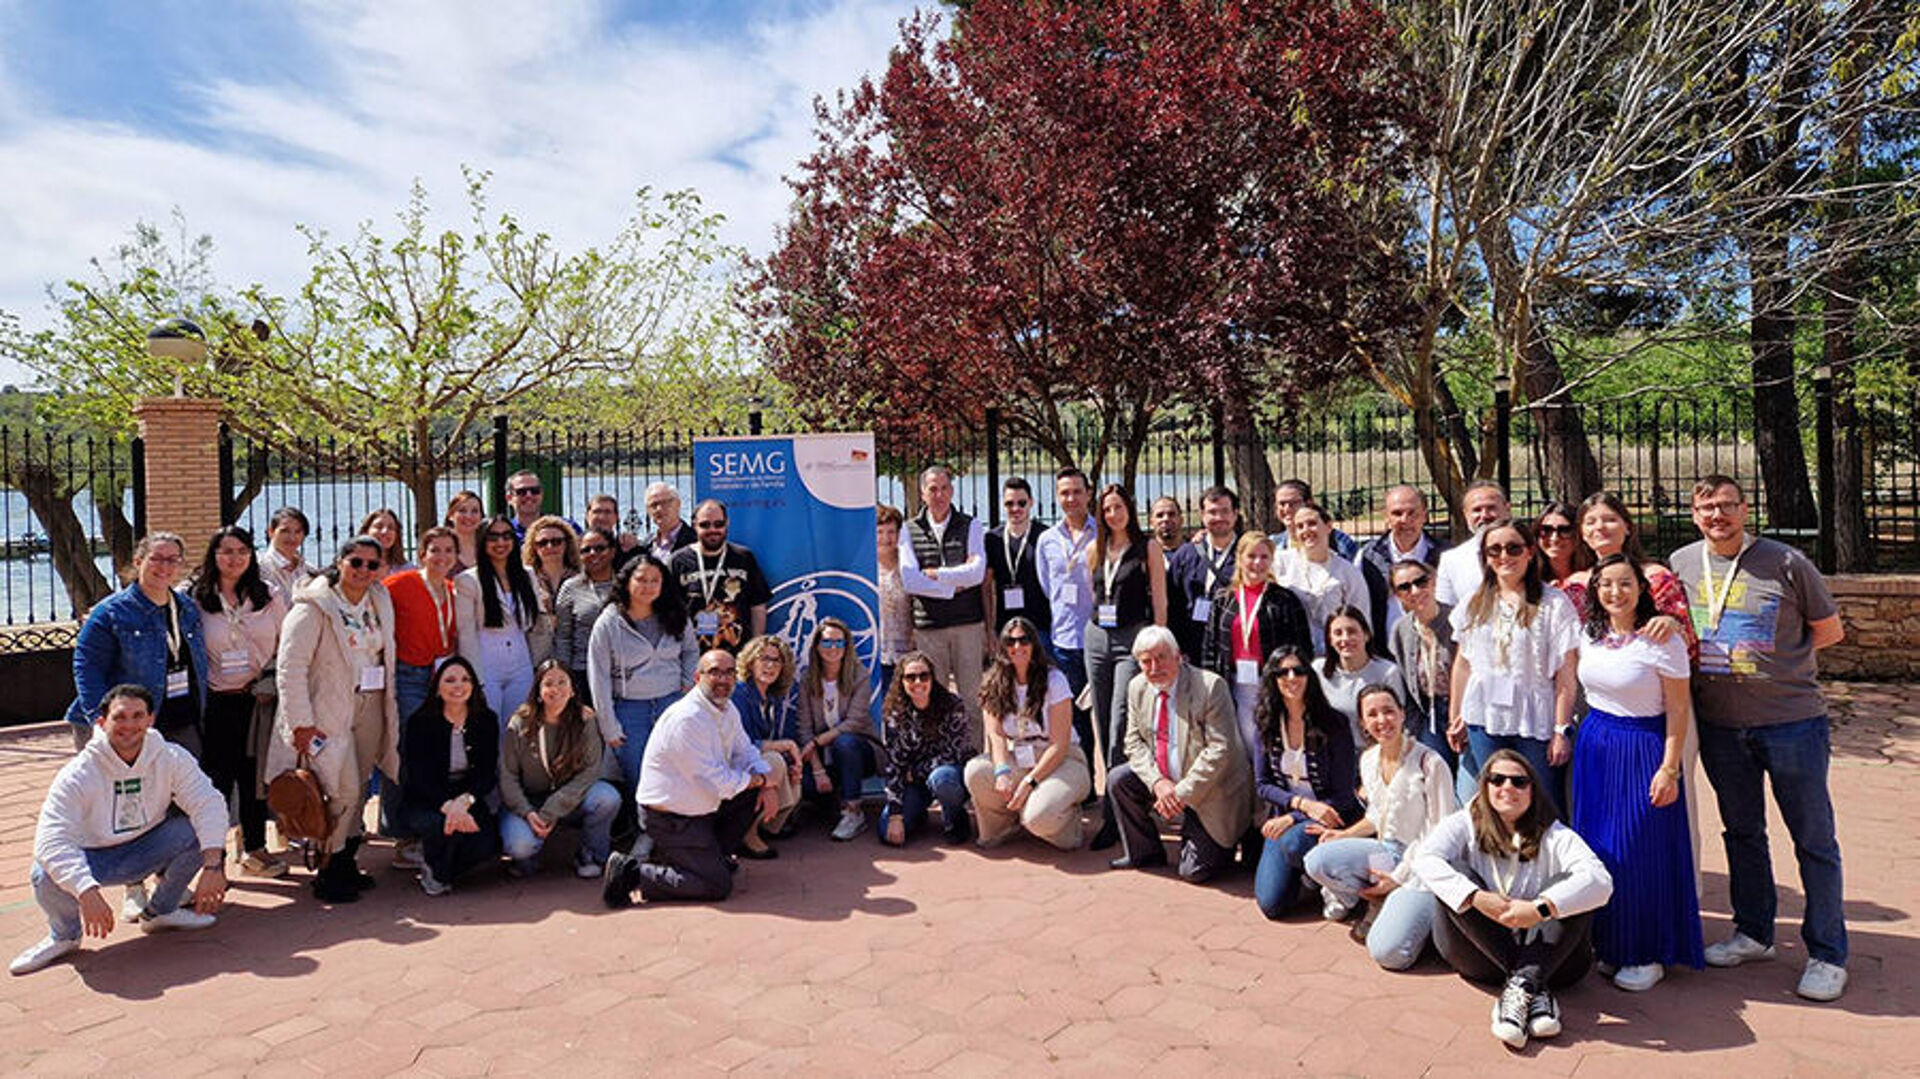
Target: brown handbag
[{"x": 299, "y": 804}]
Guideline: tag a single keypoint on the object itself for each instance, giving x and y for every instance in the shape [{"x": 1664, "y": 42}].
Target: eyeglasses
[
  {"x": 1508, "y": 779},
  {"x": 917, "y": 676},
  {"x": 594, "y": 548},
  {"x": 712, "y": 671},
  {"x": 1018, "y": 640},
  {"x": 1553, "y": 530},
  {"x": 508, "y": 536},
  {"x": 552, "y": 541},
  {"x": 522, "y": 492},
  {"x": 1505, "y": 550},
  {"x": 364, "y": 563},
  {"x": 832, "y": 644},
  {"x": 1290, "y": 672},
  {"x": 710, "y": 526},
  {"x": 1421, "y": 581},
  {"x": 164, "y": 559},
  {"x": 1017, "y": 503},
  {"x": 1726, "y": 507}
]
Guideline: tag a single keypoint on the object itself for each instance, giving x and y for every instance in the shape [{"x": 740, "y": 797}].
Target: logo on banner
[{"x": 799, "y": 605}]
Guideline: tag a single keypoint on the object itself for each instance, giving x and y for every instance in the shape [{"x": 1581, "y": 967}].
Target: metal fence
[{"x": 68, "y": 515}]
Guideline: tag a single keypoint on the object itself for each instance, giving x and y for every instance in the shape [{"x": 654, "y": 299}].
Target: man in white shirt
[
  {"x": 1405, "y": 540},
  {"x": 703, "y": 784},
  {"x": 943, "y": 561},
  {"x": 106, "y": 822},
  {"x": 1460, "y": 571}
]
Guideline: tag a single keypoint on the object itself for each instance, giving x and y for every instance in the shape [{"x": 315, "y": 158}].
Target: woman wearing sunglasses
[
  {"x": 496, "y": 607},
  {"x": 1251, "y": 617},
  {"x": 578, "y": 604},
  {"x": 1515, "y": 891},
  {"x": 1629, "y": 801},
  {"x": 1513, "y": 682},
  {"x": 765, "y": 697},
  {"x": 838, "y": 749},
  {"x": 552, "y": 555},
  {"x": 1561, "y": 552},
  {"x": 1304, "y": 771},
  {"x": 927, "y": 743},
  {"x": 1034, "y": 772},
  {"x": 334, "y": 673},
  {"x": 1421, "y": 645}
]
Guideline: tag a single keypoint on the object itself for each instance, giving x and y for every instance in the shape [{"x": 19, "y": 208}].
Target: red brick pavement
[{"x": 850, "y": 959}]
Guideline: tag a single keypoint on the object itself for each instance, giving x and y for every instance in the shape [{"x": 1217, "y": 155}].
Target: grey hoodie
[{"x": 623, "y": 665}]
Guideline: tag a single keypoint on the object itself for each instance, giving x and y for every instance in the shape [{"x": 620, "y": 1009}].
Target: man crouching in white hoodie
[{"x": 106, "y": 822}]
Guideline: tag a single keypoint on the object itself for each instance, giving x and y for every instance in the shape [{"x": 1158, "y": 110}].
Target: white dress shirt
[
  {"x": 952, "y": 579},
  {"x": 697, "y": 757}
]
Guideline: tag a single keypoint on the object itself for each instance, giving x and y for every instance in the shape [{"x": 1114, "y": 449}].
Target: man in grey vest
[{"x": 943, "y": 560}]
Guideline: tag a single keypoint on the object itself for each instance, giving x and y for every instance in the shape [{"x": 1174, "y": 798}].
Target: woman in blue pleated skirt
[{"x": 1628, "y": 803}]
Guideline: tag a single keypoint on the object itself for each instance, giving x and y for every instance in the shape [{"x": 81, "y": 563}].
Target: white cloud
[{"x": 570, "y": 113}]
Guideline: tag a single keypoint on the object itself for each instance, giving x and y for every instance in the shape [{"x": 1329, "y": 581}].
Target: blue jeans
[
  {"x": 593, "y": 816},
  {"x": 1482, "y": 745},
  {"x": 852, "y": 762},
  {"x": 943, "y": 785},
  {"x": 1432, "y": 732},
  {"x": 169, "y": 849},
  {"x": 1794, "y": 755},
  {"x": 1402, "y": 925},
  {"x": 636, "y": 720},
  {"x": 1073, "y": 663},
  {"x": 1276, "y": 881}
]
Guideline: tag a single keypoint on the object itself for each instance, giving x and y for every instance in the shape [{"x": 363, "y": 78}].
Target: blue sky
[{"x": 251, "y": 118}]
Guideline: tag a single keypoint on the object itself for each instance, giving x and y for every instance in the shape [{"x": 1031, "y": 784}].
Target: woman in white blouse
[
  {"x": 495, "y": 607},
  {"x": 1408, "y": 789},
  {"x": 1034, "y": 773},
  {"x": 1515, "y": 646},
  {"x": 1350, "y": 664},
  {"x": 1514, "y": 893},
  {"x": 1322, "y": 581}
]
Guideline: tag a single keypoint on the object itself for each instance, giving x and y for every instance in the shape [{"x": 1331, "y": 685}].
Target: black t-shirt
[{"x": 721, "y": 592}]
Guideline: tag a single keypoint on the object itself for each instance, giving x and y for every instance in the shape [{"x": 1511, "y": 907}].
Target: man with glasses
[
  {"x": 703, "y": 784},
  {"x": 670, "y": 532},
  {"x": 726, "y": 593},
  {"x": 1405, "y": 540},
  {"x": 1013, "y": 563},
  {"x": 1761, "y": 610},
  {"x": 1290, "y": 496},
  {"x": 1459, "y": 566},
  {"x": 943, "y": 564},
  {"x": 525, "y": 496},
  {"x": 1421, "y": 644},
  {"x": 1198, "y": 568}
]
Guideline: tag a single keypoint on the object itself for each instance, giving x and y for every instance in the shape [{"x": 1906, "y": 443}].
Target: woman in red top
[
  {"x": 424, "y": 635},
  {"x": 1252, "y": 616}
]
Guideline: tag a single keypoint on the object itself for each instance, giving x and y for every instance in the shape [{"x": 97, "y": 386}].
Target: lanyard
[
  {"x": 1250, "y": 616},
  {"x": 173, "y": 629},
  {"x": 708, "y": 584},
  {"x": 1014, "y": 553},
  {"x": 1216, "y": 566},
  {"x": 443, "y": 611},
  {"x": 1717, "y": 600},
  {"x": 1110, "y": 570}
]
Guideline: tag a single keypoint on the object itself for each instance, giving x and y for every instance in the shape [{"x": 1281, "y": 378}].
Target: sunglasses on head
[
  {"x": 1508, "y": 779},
  {"x": 364, "y": 563},
  {"x": 1417, "y": 582},
  {"x": 1505, "y": 550}
]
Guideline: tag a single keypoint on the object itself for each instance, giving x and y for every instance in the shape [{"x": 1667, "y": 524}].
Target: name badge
[
  {"x": 1023, "y": 755},
  {"x": 1109, "y": 615},
  {"x": 1202, "y": 609},
  {"x": 129, "y": 812},
  {"x": 1016, "y": 598},
  {"x": 1246, "y": 672},
  {"x": 372, "y": 678},
  {"x": 235, "y": 661},
  {"x": 706, "y": 623},
  {"x": 1500, "y": 690},
  {"x": 1069, "y": 594},
  {"x": 177, "y": 684}
]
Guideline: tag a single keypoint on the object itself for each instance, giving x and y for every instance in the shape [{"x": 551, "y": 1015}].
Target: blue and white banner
[{"x": 804, "y": 505}]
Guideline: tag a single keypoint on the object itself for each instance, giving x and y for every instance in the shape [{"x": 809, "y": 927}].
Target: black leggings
[
  {"x": 1483, "y": 950},
  {"x": 226, "y": 755}
]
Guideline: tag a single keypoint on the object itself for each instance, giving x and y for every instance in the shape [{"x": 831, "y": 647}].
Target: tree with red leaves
[{"x": 1113, "y": 207}]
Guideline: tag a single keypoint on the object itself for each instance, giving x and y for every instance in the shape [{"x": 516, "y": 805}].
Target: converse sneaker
[
  {"x": 1736, "y": 950},
  {"x": 1822, "y": 981},
  {"x": 1543, "y": 1015},
  {"x": 431, "y": 884},
  {"x": 45, "y": 951},
  {"x": 1639, "y": 978},
  {"x": 1510, "y": 1013},
  {"x": 852, "y": 823},
  {"x": 177, "y": 918},
  {"x": 134, "y": 906}
]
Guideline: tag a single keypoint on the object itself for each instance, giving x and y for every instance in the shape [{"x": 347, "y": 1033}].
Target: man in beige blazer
[{"x": 1184, "y": 762}]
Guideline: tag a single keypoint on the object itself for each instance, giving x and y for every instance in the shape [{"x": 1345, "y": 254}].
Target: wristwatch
[
  {"x": 1031, "y": 782},
  {"x": 1545, "y": 912}
]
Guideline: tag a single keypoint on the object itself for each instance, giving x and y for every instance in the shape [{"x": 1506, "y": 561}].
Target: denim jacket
[{"x": 124, "y": 639}]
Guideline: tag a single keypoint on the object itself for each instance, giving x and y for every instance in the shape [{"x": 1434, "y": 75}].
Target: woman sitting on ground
[
  {"x": 1305, "y": 773},
  {"x": 765, "y": 697},
  {"x": 449, "y": 767},
  {"x": 1515, "y": 892},
  {"x": 1034, "y": 773},
  {"x": 927, "y": 744},
  {"x": 838, "y": 749},
  {"x": 550, "y": 768}
]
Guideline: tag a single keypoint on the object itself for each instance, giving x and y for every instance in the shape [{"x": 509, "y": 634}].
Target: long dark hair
[
  {"x": 1332, "y": 661},
  {"x": 347, "y": 547},
  {"x": 1103, "y": 536},
  {"x": 569, "y": 752},
  {"x": 1491, "y": 834},
  {"x": 670, "y": 610},
  {"x": 525, "y": 601},
  {"x": 897, "y": 702},
  {"x": 998, "y": 690},
  {"x": 1480, "y": 606},
  {"x": 1595, "y": 619},
  {"x": 477, "y": 709},
  {"x": 1582, "y": 554},
  {"x": 251, "y": 588},
  {"x": 1270, "y": 708}
]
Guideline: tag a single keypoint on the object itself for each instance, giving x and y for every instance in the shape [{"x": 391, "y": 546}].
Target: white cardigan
[{"x": 1566, "y": 872}]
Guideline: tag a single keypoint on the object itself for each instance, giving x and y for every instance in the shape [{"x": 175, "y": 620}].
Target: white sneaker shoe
[
  {"x": 134, "y": 906},
  {"x": 1639, "y": 978},
  {"x": 1822, "y": 981},
  {"x": 587, "y": 869},
  {"x": 177, "y": 918},
  {"x": 852, "y": 823},
  {"x": 406, "y": 855},
  {"x": 1736, "y": 950},
  {"x": 1331, "y": 908},
  {"x": 43, "y": 952},
  {"x": 431, "y": 884}
]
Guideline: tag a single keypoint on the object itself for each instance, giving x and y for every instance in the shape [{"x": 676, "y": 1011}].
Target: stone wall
[{"x": 1882, "y": 616}]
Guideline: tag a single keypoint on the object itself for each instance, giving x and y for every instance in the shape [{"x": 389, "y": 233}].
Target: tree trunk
[
  {"x": 1852, "y": 543},
  {"x": 1251, "y": 470},
  {"x": 1776, "y": 400},
  {"x": 117, "y": 531},
  {"x": 67, "y": 541}
]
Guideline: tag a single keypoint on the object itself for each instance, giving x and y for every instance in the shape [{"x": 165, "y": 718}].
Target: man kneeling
[
  {"x": 106, "y": 821},
  {"x": 703, "y": 783}
]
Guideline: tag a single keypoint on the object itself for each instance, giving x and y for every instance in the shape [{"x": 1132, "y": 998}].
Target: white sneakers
[
  {"x": 406, "y": 854},
  {"x": 1822, "y": 981},
  {"x": 43, "y": 952},
  {"x": 177, "y": 918},
  {"x": 431, "y": 884},
  {"x": 134, "y": 906},
  {"x": 1331, "y": 908},
  {"x": 852, "y": 823},
  {"x": 1639, "y": 978},
  {"x": 1735, "y": 950}
]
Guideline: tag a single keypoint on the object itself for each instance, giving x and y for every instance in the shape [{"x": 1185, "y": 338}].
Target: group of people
[{"x": 1488, "y": 747}]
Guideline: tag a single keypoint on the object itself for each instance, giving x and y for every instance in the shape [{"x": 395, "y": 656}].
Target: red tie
[{"x": 1160, "y": 737}]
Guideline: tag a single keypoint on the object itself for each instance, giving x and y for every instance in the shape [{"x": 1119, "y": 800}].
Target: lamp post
[
  {"x": 1503, "y": 430},
  {"x": 181, "y": 340}
]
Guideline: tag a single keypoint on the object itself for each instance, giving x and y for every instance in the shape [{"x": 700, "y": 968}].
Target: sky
[{"x": 250, "y": 118}]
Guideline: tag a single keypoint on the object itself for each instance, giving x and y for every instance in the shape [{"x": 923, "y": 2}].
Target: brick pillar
[{"x": 182, "y": 436}]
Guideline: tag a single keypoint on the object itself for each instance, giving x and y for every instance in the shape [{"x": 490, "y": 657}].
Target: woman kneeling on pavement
[
  {"x": 926, "y": 746},
  {"x": 551, "y": 765},
  {"x": 838, "y": 748},
  {"x": 1034, "y": 773},
  {"x": 1515, "y": 891},
  {"x": 449, "y": 770}
]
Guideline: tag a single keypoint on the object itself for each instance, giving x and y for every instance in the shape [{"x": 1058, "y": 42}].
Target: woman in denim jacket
[{"x": 149, "y": 635}]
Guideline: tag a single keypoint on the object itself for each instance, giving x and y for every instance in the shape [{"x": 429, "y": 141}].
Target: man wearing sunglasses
[
  {"x": 727, "y": 594},
  {"x": 1405, "y": 540},
  {"x": 526, "y": 497},
  {"x": 1012, "y": 562},
  {"x": 1761, "y": 610}
]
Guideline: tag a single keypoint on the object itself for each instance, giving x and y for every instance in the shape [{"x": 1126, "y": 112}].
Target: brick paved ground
[{"x": 849, "y": 959}]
